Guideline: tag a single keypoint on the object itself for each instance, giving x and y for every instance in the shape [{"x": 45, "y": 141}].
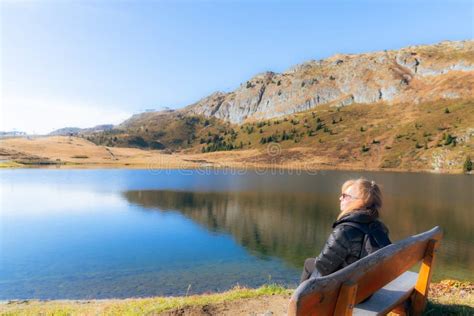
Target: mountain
[
  {"x": 411, "y": 108},
  {"x": 413, "y": 74},
  {"x": 4, "y": 134},
  {"x": 65, "y": 131},
  {"x": 69, "y": 131}
]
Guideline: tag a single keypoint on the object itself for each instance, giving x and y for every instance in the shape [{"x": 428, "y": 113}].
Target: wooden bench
[{"x": 383, "y": 274}]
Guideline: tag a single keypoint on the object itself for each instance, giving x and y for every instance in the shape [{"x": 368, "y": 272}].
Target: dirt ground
[{"x": 273, "y": 305}]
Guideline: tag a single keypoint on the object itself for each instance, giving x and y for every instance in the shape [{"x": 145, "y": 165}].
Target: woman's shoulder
[
  {"x": 379, "y": 225},
  {"x": 349, "y": 231}
]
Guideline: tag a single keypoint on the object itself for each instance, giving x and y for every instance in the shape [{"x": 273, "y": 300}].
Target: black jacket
[{"x": 344, "y": 244}]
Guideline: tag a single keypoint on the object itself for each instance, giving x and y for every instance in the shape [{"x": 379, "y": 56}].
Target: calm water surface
[{"x": 129, "y": 233}]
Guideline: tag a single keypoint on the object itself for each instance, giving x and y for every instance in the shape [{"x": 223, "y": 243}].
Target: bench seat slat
[{"x": 388, "y": 297}]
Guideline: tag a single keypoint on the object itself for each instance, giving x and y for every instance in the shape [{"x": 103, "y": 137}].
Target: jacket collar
[{"x": 359, "y": 216}]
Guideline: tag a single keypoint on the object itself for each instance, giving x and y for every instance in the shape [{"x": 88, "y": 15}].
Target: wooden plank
[
  {"x": 420, "y": 294},
  {"x": 370, "y": 273},
  {"x": 346, "y": 299},
  {"x": 388, "y": 297}
]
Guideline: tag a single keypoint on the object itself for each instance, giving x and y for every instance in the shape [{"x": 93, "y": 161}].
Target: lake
[{"x": 83, "y": 234}]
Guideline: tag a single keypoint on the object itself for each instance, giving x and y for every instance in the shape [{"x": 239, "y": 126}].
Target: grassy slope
[
  {"x": 139, "y": 306},
  {"x": 446, "y": 298},
  {"x": 172, "y": 130},
  {"x": 404, "y": 136}
]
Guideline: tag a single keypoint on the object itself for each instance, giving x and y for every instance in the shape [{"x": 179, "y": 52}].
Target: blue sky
[{"x": 81, "y": 63}]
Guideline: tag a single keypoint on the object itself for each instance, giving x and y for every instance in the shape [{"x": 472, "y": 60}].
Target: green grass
[
  {"x": 10, "y": 164},
  {"x": 447, "y": 298},
  {"x": 437, "y": 309},
  {"x": 141, "y": 306}
]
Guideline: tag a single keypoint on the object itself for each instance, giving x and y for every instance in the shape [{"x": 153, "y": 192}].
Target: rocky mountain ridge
[{"x": 412, "y": 74}]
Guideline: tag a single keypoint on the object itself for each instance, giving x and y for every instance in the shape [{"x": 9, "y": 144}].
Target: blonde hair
[{"x": 369, "y": 197}]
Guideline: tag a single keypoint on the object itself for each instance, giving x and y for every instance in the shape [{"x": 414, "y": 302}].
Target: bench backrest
[{"x": 320, "y": 295}]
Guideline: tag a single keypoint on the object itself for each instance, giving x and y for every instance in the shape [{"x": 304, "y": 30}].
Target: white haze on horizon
[{"x": 42, "y": 116}]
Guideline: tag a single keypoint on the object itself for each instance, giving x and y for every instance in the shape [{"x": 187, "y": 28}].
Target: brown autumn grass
[{"x": 406, "y": 137}]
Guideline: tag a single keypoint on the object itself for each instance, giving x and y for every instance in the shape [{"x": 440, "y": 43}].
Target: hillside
[
  {"x": 407, "y": 109},
  {"x": 429, "y": 136}
]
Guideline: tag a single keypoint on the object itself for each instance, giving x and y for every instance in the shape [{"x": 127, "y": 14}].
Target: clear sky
[{"x": 82, "y": 63}]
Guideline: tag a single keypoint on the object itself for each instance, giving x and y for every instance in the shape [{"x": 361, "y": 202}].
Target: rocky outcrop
[{"x": 411, "y": 74}]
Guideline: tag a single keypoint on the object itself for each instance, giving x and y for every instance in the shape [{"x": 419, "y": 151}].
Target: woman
[{"x": 356, "y": 232}]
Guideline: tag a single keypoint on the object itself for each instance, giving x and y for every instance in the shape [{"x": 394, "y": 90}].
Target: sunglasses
[{"x": 344, "y": 195}]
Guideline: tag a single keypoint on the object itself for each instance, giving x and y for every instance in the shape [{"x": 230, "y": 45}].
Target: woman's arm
[{"x": 334, "y": 252}]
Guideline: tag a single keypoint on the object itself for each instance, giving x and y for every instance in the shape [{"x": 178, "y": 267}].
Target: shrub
[
  {"x": 467, "y": 167},
  {"x": 137, "y": 141},
  {"x": 157, "y": 145},
  {"x": 448, "y": 139}
]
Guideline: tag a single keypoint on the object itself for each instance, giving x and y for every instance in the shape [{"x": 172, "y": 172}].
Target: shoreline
[
  {"x": 447, "y": 296},
  {"x": 264, "y": 168}
]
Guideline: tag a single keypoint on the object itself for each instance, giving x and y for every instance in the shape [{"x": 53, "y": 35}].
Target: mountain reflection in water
[{"x": 293, "y": 226}]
